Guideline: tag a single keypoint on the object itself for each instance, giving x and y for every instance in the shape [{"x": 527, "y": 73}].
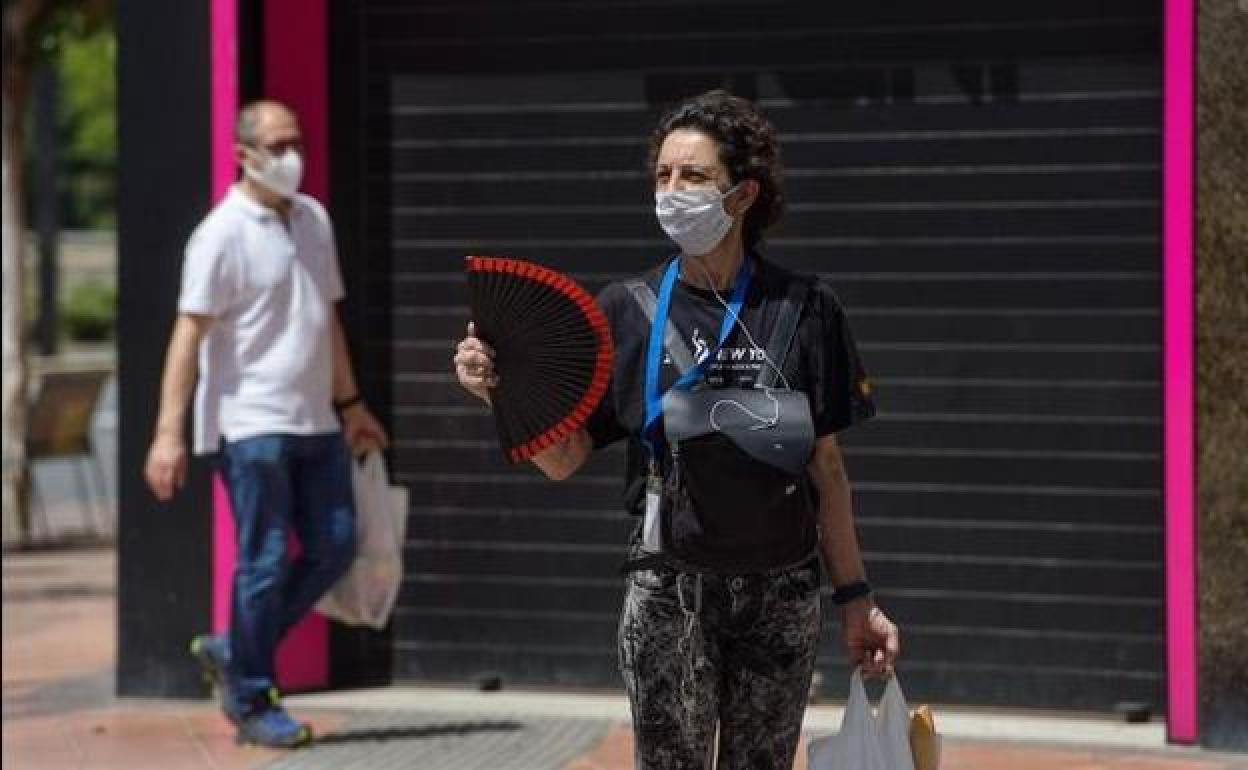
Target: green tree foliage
[
  {"x": 79, "y": 41},
  {"x": 86, "y": 60}
]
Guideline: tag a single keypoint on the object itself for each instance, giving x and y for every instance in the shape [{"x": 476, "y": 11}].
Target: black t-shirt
[{"x": 823, "y": 361}]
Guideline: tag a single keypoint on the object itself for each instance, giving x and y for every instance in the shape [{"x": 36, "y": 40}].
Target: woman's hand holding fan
[
  {"x": 550, "y": 343},
  {"x": 474, "y": 365}
]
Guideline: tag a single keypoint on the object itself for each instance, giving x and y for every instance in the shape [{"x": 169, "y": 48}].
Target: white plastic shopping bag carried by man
[
  {"x": 869, "y": 741},
  {"x": 365, "y": 595}
]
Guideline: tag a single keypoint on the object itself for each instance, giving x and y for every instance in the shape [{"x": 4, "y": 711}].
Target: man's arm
[
  {"x": 361, "y": 429},
  {"x": 344, "y": 376},
  {"x": 870, "y": 637},
  {"x": 165, "y": 469}
]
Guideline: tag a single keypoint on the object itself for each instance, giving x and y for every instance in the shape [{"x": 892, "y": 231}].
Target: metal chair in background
[{"x": 59, "y": 427}]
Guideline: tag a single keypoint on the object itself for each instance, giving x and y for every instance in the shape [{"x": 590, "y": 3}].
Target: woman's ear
[{"x": 747, "y": 193}]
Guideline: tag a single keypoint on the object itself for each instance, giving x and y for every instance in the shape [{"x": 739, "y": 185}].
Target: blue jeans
[{"x": 281, "y": 483}]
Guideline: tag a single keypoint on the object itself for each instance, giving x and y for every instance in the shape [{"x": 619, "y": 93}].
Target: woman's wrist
[{"x": 851, "y": 591}]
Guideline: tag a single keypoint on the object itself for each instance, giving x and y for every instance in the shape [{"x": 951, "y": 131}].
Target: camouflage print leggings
[{"x": 703, "y": 651}]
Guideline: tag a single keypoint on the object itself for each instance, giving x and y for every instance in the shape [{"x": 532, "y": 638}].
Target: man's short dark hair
[{"x": 249, "y": 119}]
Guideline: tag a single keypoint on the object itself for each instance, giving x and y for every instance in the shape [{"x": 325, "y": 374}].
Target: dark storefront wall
[{"x": 983, "y": 194}]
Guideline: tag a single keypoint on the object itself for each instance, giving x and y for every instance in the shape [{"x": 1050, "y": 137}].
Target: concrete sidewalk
[
  {"x": 59, "y": 712},
  {"x": 975, "y": 739},
  {"x": 59, "y": 647}
]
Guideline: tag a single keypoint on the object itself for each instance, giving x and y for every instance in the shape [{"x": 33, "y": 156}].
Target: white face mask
[
  {"x": 279, "y": 174},
  {"x": 694, "y": 219}
]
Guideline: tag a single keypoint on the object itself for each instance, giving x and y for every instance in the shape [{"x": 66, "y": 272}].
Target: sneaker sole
[{"x": 304, "y": 738}]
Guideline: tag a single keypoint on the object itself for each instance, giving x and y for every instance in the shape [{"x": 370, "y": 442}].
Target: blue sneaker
[
  {"x": 267, "y": 724},
  {"x": 212, "y": 652}
]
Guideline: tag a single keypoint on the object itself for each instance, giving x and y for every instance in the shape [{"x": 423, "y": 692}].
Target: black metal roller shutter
[{"x": 980, "y": 180}]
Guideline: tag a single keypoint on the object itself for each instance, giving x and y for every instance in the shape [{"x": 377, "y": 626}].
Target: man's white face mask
[
  {"x": 694, "y": 219},
  {"x": 280, "y": 174}
]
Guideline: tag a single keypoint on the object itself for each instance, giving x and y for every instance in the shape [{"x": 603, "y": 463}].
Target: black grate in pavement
[{"x": 403, "y": 740}]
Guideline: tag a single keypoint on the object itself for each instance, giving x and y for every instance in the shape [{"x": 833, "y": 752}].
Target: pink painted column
[
  {"x": 295, "y": 72},
  {"x": 224, "y": 111},
  {"x": 1179, "y": 291}
]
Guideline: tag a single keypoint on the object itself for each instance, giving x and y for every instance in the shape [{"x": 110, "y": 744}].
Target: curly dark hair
[{"x": 747, "y": 147}]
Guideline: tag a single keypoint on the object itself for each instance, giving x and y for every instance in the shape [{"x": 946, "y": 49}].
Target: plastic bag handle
[
  {"x": 373, "y": 467},
  {"x": 857, "y": 706}
]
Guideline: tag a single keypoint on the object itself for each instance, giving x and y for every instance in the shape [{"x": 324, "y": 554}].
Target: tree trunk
[
  {"x": 16, "y": 522},
  {"x": 21, "y": 22}
]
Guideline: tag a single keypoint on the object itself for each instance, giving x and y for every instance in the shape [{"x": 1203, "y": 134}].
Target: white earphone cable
[
  {"x": 738, "y": 320},
  {"x": 762, "y": 422}
]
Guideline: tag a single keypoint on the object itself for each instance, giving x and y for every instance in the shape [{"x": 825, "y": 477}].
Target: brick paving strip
[
  {"x": 615, "y": 753},
  {"x": 978, "y": 740}
]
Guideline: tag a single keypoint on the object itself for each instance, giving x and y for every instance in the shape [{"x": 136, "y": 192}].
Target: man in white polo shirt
[{"x": 258, "y": 328}]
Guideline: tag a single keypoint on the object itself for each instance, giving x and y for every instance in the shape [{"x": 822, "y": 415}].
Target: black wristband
[
  {"x": 347, "y": 403},
  {"x": 845, "y": 594}
]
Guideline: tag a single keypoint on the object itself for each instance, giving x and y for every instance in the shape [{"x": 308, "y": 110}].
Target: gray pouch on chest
[{"x": 772, "y": 426}]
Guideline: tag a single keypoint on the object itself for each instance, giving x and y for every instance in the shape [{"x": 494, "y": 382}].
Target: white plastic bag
[
  {"x": 893, "y": 721},
  {"x": 867, "y": 741},
  {"x": 365, "y": 595}
]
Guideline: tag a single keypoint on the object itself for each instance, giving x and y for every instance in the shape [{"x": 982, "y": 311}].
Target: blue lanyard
[{"x": 654, "y": 351}]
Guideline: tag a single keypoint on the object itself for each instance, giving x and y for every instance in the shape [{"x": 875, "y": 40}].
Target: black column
[
  {"x": 164, "y": 189},
  {"x": 359, "y": 657}
]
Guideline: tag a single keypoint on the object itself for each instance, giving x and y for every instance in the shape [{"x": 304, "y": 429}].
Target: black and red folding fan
[{"x": 552, "y": 351}]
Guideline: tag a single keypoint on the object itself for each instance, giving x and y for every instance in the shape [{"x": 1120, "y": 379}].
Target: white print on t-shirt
[
  {"x": 739, "y": 361},
  {"x": 700, "y": 349}
]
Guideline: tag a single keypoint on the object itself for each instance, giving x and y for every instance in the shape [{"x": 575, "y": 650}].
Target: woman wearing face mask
[{"x": 722, "y": 355}]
